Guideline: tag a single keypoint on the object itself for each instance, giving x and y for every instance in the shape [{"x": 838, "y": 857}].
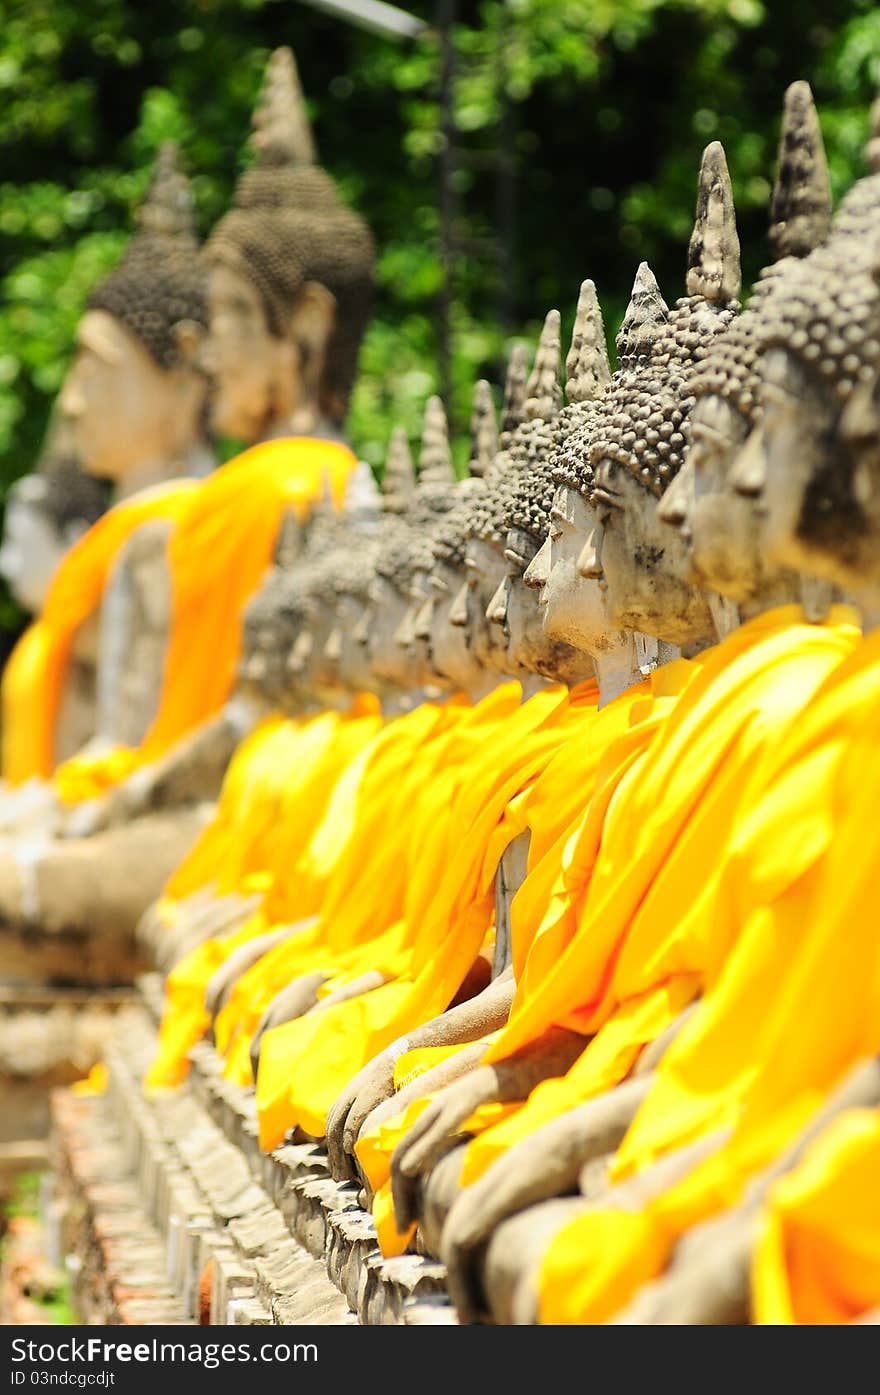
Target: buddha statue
[
  {"x": 134, "y": 397},
  {"x": 501, "y": 505},
  {"x": 681, "y": 348},
  {"x": 484, "y": 564},
  {"x": 302, "y": 263},
  {"x": 132, "y": 411},
  {"x": 816, "y": 341},
  {"x": 720, "y": 526},
  {"x": 811, "y": 363},
  {"x": 727, "y": 372},
  {"x": 638, "y": 447},
  {"x": 194, "y": 665},
  {"x": 289, "y": 282},
  {"x": 402, "y": 563}
]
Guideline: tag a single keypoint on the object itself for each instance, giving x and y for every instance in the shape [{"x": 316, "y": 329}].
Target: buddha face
[
  {"x": 717, "y": 525},
  {"x": 572, "y": 601},
  {"x": 243, "y": 359},
  {"x": 391, "y": 662},
  {"x": 485, "y": 569},
  {"x": 452, "y": 654},
  {"x": 516, "y": 609},
  {"x": 263, "y": 667},
  {"x": 797, "y": 472},
  {"x": 411, "y": 634},
  {"x": 645, "y": 564},
  {"x": 31, "y": 550},
  {"x": 320, "y": 671},
  {"x": 264, "y": 382},
  {"x": 121, "y": 408},
  {"x": 353, "y": 661}
]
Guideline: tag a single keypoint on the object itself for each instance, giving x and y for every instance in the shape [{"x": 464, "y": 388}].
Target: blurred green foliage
[{"x": 609, "y": 103}]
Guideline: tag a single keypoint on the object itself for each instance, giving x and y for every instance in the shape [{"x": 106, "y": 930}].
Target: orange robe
[
  {"x": 650, "y": 935},
  {"x": 218, "y": 554},
  {"x": 354, "y": 868},
  {"x": 33, "y": 680},
  {"x": 586, "y": 770},
  {"x": 795, "y": 1007},
  {"x": 310, "y": 771},
  {"x": 315, "y": 1057},
  {"x": 817, "y": 1258}
]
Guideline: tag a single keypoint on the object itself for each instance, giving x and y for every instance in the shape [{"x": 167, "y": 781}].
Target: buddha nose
[
  {"x": 361, "y": 631},
  {"x": 404, "y": 635},
  {"x": 299, "y": 654},
  {"x": 496, "y": 610},
  {"x": 333, "y": 647},
  {"x": 672, "y": 509},
  {"x": 458, "y": 614},
  {"x": 255, "y": 668},
  {"x": 424, "y": 616},
  {"x": 749, "y": 473},
  {"x": 536, "y": 573},
  {"x": 589, "y": 563}
]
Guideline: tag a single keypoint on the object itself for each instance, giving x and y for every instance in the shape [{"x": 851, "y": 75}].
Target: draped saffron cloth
[
  {"x": 817, "y": 1257},
  {"x": 585, "y": 771},
  {"x": 220, "y": 548},
  {"x": 354, "y": 870},
  {"x": 34, "y": 677},
  {"x": 284, "y": 774},
  {"x": 797, "y": 1003},
  {"x": 651, "y": 936}
]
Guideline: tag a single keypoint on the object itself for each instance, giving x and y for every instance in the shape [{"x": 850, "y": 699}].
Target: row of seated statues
[{"x": 515, "y": 834}]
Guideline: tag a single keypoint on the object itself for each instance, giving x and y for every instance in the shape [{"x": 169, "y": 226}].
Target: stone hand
[
  {"x": 374, "y": 1084},
  {"x": 222, "y": 917},
  {"x": 503, "y": 1082},
  {"x": 545, "y": 1164},
  {"x": 432, "y": 1134}
]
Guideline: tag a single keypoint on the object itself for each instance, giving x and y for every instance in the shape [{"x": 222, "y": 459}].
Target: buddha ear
[
  {"x": 860, "y": 430},
  {"x": 312, "y": 320},
  {"x": 189, "y": 336}
]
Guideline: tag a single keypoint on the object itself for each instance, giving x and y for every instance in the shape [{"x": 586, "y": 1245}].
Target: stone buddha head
[
  {"x": 133, "y": 401},
  {"x": 290, "y": 272},
  {"x": 273, "y": 619},
  {"x": 810, "y": 465},
  {"x": 352, "y": 580},
  {"x": 452, "y": 653},
  {"x": 329, "y": 577},
  {"x": 484, "y": 563},
  {"x": 720, "y": 524},
  {"x": 45, "y": 514},
  {"x": 573, "y": 606},
  {"x": 513, "y": 499},
  {"x": 429, "y": 502},
  {"x": 396, "y": 665},
  {"x": 640, "y": 431}
]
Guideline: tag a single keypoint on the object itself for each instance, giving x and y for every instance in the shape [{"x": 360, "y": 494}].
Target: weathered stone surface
[{"x": 275, "y": 1239}]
